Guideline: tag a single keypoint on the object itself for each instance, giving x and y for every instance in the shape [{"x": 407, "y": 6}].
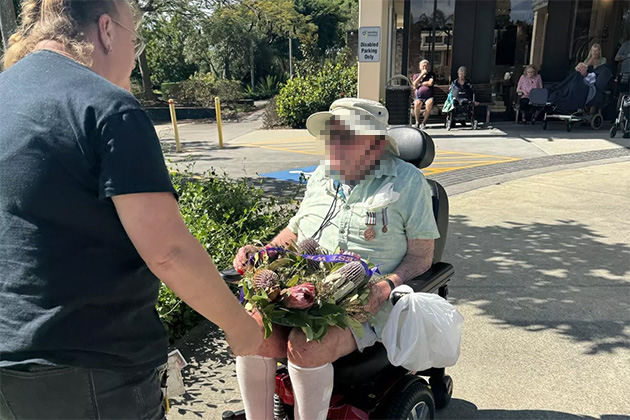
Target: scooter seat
[{"x": 358, "y": 368}]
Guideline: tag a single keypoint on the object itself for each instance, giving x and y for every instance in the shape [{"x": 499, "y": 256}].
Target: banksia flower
[
  {"x": 309, "y": 246},
  {"x": 265, "y": 279},
  {"x": 353, "y": 272}
]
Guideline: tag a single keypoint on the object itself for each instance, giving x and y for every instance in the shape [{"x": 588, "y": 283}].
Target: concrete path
[
  {"x": 543, "y": 280},
  {"x": 250, "y": 151}
]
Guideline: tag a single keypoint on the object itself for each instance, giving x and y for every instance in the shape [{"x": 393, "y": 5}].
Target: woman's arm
[
  {"x": 539, "y": 83},
  {"x": 416, "y": 80},
  {"x": 428, "y": 82},
  {"x": 519, "y": 86},
  {"x": 178, "y": 259},
  {"x": 623, "y": 52}
]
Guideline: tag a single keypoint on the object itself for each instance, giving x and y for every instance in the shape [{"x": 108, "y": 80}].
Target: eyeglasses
[{"x": 138, "y": 42}]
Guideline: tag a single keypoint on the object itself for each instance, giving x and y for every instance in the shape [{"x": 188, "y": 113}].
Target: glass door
[{"x": 431, "y": 36}]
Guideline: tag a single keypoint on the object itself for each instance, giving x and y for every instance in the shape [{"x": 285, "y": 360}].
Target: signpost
[{"x": 370, "y": 44}]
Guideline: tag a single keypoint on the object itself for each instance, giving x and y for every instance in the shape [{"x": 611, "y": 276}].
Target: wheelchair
[
  {"x": 463, "y": 112},
  {"x": 366, "y": 385}
]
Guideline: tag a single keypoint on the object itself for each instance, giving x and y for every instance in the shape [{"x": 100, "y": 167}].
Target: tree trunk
[
  {"x": 251, "y": 64},
  {"x": 147, "y": 85},
  {"x": 7, "y": 21},
  {"x": 226, "y": 68}
]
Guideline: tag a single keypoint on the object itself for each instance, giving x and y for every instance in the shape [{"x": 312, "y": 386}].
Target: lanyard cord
[{"x": 330, "y": 215}]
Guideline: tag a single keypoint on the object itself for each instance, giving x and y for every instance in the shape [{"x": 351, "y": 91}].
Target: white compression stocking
[
  {"x": 312, "y": 388},
  {"x": 257, "y": 379}
]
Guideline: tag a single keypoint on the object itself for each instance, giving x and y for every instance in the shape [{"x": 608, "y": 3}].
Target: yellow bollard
[
  {"x": 171, "y": 105},
  {"x": 217, "y": 108}
]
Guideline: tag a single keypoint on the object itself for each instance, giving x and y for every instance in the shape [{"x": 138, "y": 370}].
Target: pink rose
[{"x": 301, "y": 296}]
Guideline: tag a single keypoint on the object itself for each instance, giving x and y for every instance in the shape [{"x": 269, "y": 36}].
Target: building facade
[{"x": 494, "y": 39}]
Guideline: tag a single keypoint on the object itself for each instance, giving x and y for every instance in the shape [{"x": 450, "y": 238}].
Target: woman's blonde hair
[
  {"x": 531, "y": 66},
  {"x": 58, "y": 20}
]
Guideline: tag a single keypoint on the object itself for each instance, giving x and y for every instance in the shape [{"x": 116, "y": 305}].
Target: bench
[{"x": 483, "y": 95}]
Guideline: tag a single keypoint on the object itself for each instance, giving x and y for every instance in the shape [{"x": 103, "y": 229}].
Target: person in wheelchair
[
  {"x": 462, "y": 92},
  {"x": 362, "y": 199}
]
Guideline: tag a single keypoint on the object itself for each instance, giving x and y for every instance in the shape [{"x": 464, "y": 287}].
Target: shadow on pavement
[
  {"x": 559, "y": 277},
  {"x": 210, "y": 367},
  {"x": 465, "y": 410}
]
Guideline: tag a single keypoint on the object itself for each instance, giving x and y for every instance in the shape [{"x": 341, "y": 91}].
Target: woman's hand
[
  {"x": 247, "y": 338},
  {"x": 242, "y": 257}
]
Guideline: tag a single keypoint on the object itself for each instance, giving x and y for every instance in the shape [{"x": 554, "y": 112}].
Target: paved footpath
[{"x": 541, "y": 250}]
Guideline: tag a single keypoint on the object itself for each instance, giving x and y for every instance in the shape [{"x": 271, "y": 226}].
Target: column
[{"x": 372, "y": 75}]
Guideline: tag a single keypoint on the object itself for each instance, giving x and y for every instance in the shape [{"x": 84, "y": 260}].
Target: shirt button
[{"x": 347, "y": 207}]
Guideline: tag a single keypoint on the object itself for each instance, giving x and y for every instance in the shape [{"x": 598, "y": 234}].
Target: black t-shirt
[
  {"x": 73, "y": 289},
  {"x": 424, "y": 92}
]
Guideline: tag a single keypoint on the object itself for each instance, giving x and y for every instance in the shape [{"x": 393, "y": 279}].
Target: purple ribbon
[{"x": 334, "y": 258}]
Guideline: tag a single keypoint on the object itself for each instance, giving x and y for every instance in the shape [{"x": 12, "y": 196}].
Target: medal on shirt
[
  {"x": 384, "y": 214},
  {"x": 370, "y": 221}
]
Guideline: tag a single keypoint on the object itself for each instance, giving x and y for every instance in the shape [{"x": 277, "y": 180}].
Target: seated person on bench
[
  {"x": 423, "y": 83},
  {"x": 395, "y": 229}
]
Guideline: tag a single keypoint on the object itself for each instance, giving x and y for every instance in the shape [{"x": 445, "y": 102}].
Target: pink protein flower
[{"x": 301, "y": 296}]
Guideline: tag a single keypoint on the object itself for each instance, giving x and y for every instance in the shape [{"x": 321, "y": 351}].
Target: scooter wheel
[
  {"x": 442, "y": 391},
  {"x": 597, "y": 121},
  {"x": 415, "y": 402},
  {"x": 613, "y": 131}
]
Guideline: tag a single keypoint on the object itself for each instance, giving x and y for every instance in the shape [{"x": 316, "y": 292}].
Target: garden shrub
[
  {"x": 305, "y": 95},
  {"x": 223, "y": 214},
  {"x": 201, "y": 89}
]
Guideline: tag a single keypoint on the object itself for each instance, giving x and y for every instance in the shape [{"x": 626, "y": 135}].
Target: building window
[{"x": 431, "y": 36}]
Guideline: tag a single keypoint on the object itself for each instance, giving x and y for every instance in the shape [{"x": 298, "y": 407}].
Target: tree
[
  {"x": 330, "y": 17},
  {"x": 168, "y": 39},
  {"x": 8, "y": 23},
  {"x": 154, "y": 7},
  {"x": 237, "y": 28}
]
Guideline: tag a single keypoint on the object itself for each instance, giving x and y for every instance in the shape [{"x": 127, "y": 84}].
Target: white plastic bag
[{"x": 423, "y": 331}]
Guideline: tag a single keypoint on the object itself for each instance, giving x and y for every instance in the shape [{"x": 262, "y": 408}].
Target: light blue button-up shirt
[{"x": 410, "y": 217}]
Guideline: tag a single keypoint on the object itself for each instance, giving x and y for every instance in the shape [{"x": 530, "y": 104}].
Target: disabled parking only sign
[{"x": 370, "y": 44}]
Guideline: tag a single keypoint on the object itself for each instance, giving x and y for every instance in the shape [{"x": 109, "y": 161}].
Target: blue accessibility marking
[{"x": 291, "y": 174}]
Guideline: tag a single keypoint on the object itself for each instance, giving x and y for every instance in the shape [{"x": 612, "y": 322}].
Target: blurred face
[
  {"x": 530, "y": 72},
  {"x": 596, "y": 52},
  {"x": 461, "y": 74},
  {"x": 424, "y": 66},
  {"x": 352, "y": 155}
]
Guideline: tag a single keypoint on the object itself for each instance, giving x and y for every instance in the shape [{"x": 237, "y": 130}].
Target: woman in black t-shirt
[
  {"x": 423, "y": 92},
  {"x": 89, "y": 225}
]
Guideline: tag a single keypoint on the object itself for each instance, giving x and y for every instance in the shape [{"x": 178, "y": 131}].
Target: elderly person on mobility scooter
[{"x": 397, "y": 233}]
